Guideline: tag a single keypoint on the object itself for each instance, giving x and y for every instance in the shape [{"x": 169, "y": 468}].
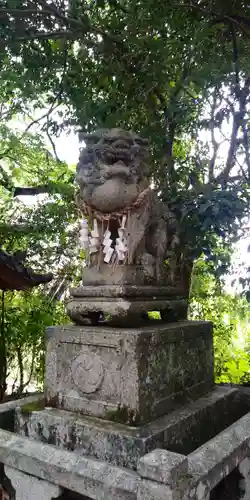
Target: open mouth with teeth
[
  {"x": 111, "y": 157},
  {"x": 111, "y": 170},
  {"x": 120, "y": 151}
]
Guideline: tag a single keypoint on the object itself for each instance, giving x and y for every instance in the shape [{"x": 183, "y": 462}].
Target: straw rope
[
  {"x": 104, "y": 217},
  {"x": 92, "y": 212}
]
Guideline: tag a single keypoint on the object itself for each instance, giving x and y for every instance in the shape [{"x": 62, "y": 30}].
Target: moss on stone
[
  {"x": 124, "y": 415},
  {"x": 38, "y": 405}
]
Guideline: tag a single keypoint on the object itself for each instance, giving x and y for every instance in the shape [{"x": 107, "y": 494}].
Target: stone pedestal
[
  {"x": 128, "y": 375},
  {"x": 125, "y": 295},
  {"x": 124, "y": 305}
]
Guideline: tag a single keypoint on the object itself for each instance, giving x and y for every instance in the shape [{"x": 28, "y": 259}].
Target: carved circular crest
[{"x": 87, "y": 372}]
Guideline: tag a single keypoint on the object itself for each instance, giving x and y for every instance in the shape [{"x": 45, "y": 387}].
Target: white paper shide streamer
[
  {"x": 84, "y": 235},
  {"x": 92, "y": 242},
  {"x": 121, "y": 242},
  {"x": 107, "y": 248}
]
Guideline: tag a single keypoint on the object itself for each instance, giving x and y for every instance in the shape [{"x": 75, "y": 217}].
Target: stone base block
[
  {"x": 123, "y": 311},
  {"x": 125, "y": 295},
  {"x": 128, "y": 375}
]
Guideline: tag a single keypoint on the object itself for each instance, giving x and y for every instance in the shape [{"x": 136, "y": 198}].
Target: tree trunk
[
  {"x": 21, "y": 374},
  {"x": 3, "y": 359}
]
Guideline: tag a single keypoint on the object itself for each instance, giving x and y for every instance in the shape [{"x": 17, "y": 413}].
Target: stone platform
[
  {"x": 128, "y": 375},
  {"x": 182, "y": 431},
  {"x": 185, "y": 454},
  {"x": 205, "y": 454}
]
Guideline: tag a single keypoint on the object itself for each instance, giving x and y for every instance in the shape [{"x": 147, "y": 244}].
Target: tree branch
[
  {"x": 76, "y": 24},
  {"x": 219, "y": 17},
  {"x": 20, "y": 366},
  {"x": 52, "y": 187},
  {"x": 25, "y": 384},
  {"x": 170, "y": 130},
  {"x": 170, "y": 120},
  {"x": 238, "y": 117},
  {"x": 30, "y": 191},
  {"x": 8, "y": 10},
  {"x": 163, "y": 104},
  {"x": 53, "y": 145},
  {"x": 49, "y": 35},
  {"x": 243, "y": 101},
  {"x": 54, "y": 105},
  {"x": 213, "y": 140},
  {"x": 77, "y": 27},
  {"x": 236, "y": 62},
  {"x": 223, "y": 177}
]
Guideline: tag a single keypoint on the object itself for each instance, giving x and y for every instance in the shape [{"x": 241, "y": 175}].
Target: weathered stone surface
[
  {"x": 128, "y": 291},
  {"x": 163, "y": 466},
  {"x": 28, "y": 487},
  {"x": 207, "y": 466},
  {"x": 126, "y": 311},
  {"x": 111, "y": 168},
  {"x": 123, "y": 445},
  {"x": 11, "y": 405},
  {"x": 123, "y": 290},
  {"x": 7, "y": 410},
  {"x": 109, "y": 186},
  {"x": 130, "y": 277},
  {"x": 125, "y": 294},
  {"x": 88, "y": 477},
  {"x": 151, "y": 490},
  {"x": 134, "y": 238},
  {"x": 244, "y": 469},
  {"x": 186, "y": 429},
  {"x": 131, "y": 375},
  {"x": 219, "y": 456},
  {"x": 107, "y": 441}
]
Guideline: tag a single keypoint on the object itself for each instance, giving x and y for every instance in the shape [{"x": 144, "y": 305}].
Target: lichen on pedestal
[{"x": 128, "y": 375}]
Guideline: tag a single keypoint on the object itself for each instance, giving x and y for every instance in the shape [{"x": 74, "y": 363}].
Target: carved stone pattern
[{"x": 87, "y": 372}]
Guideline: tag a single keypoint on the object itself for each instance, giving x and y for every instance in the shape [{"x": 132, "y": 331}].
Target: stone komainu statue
[
  {"x": 113, "y": 177},
  {"x": 128, "y": 234}
]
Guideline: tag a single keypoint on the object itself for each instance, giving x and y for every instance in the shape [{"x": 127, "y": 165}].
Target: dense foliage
[
  {"x": 47, "y": 230},
  {"x": 230, "y": 315},
  {"x": 26, "y": 317},
  {"x": 169, "y": 70},
  {"x": 177, "y": 72}
]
